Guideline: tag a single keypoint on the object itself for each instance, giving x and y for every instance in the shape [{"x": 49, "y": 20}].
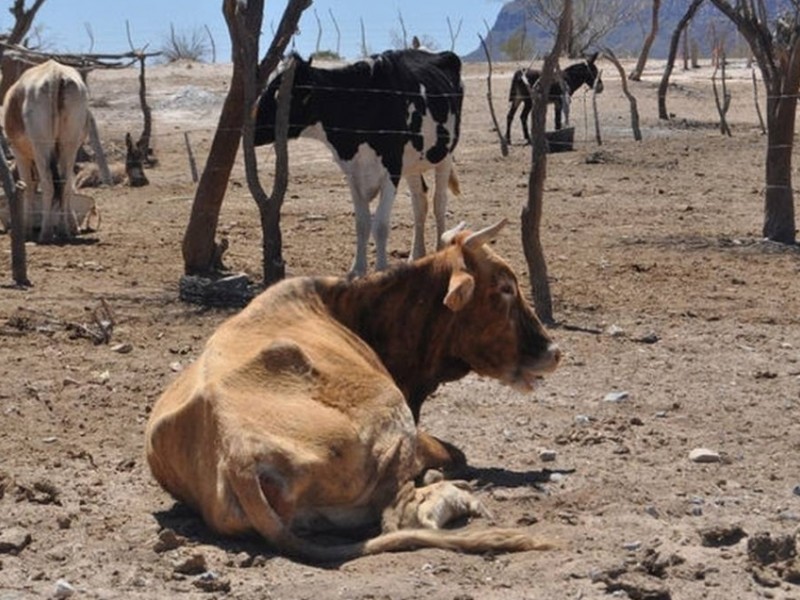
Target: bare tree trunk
[
  {"x": 147, "y": 131},
  {"x": 779, "y": 220},
  {"x": 637, "y": 132},
  {"x": 454, "y": 34},
  {"x": 199, "y": 248},
  {"x": 778, "y": 57},
  {"x": 598, "y": 138},
  {"x": 269, "y": 208},
  {"x": 532, "y": 212},
  {"x": 213, "y": 45},
  {"x": 190, "y": 155},
  {"x": 23, "y": 19},
  {"x": 673, "y": 51},
  {"x": 319, "y": 33},
  {"x": 755, "y": 100},
  {"x": 503, "y": 142},
  {"x": 338, "y": 33},
  {"x": 19, "y": 260},
  {"x": 722, "y": 103},
  {"x": 636, "y": 74}
]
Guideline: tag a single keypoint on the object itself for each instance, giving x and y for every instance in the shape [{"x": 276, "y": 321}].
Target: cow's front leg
[
  {"x": 381, "y": 222},
  {"x": 433, "y": 453},
  {"x": 523, "y": 118},
  {"x": 419, "y": 202},
  {"x": 433, "y": 506},
  {"x": 363, "y": 226}
]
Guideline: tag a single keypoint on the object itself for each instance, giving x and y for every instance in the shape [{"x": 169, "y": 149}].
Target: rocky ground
[{"x": 678, "y": 322}]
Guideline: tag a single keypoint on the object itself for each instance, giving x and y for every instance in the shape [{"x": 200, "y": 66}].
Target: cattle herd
[{"x": 301, "y": 414}]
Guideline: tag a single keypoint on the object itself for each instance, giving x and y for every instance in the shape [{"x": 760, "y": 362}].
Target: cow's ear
[{"x": 460, "y": 290}]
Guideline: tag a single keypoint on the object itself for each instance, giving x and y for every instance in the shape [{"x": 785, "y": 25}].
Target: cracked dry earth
[{"x": 680, "y": 327}]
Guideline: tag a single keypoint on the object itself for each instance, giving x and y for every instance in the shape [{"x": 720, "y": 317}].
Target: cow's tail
[
  {"x": 56, "y": 177},
  {"x": 469, "y": 542},
  {"x": 453, "y": 182},
  {"x": 264, "y": 518}
]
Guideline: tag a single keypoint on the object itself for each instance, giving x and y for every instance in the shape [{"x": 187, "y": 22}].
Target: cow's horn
[
  {"x": 479, "y": 238},
  {"x": 450, "y": 234}
]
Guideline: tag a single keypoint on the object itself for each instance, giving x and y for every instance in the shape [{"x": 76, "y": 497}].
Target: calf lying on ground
[
  {"x": 296, "y": 415},
  {"x": 130, "y": 172}
]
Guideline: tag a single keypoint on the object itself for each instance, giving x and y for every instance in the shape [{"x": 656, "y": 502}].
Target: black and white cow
[{"x": 396, "y": 114}]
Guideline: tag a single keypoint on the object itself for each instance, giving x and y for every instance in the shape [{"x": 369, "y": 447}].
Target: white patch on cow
[{"x": 366, "y": 177}]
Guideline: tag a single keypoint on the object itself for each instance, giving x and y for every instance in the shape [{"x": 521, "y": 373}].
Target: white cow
[{"x": 45, "y": 117}]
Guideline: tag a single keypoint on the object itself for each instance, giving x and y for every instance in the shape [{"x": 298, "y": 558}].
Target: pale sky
[{"x": 63, "y": 23}]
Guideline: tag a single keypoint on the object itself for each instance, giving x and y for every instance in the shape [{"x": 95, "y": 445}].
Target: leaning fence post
[
  {"x": 192, "y": 163},
  {"x": 19, "y": 262}
]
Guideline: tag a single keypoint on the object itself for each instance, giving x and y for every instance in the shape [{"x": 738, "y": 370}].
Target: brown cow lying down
[{"x": 295, "y": 417}]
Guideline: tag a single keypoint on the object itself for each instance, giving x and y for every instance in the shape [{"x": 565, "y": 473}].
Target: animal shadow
[{"x": 504, "y": 478}]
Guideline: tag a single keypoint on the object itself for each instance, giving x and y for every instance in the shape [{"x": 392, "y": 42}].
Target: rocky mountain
[{"x": 625, "y": 40}]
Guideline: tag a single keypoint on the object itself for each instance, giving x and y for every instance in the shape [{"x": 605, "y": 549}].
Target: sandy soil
[{"x": 679, "y": 324}]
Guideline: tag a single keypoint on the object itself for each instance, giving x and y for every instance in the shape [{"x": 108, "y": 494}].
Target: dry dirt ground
[{"x": 680, "y": 327}]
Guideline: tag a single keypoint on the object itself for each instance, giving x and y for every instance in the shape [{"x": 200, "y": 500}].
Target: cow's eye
[{"x": 507, "y": 288}]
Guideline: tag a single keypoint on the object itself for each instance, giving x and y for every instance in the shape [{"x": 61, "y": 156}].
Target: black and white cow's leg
[
  {"x": 512, "y": 110},
  {"x": 419, "y": 202},
  {"x": 381, "y": 222},
  {"x": 363, "y": 226},
  {"x": 523, "y": 118},
  {"x": 558, "y": 107}
]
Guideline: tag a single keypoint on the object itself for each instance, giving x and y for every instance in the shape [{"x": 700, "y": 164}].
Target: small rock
[
  {"x": 103, "y": 377},
  {"x": 211, "y": 582},
  {"x": 615, "y": 331},
  {"x": 70, "y": 381},
  {"x": 704, "y": 455},
  {"x": 176, "y": 366},
  {"x": 722, "y": 535},
  {"x": 616, "y": 396},
  {"x": 63, "y": 589},
  {"x": 796, "y": 490},
  {"x": 124, "y": 348},
  {"x": 168, "y": 540},
  {"x": 632, "y": 546},
  {"x": 13, "y": 540},
  {"x": 648, "y": 338},
  {"x": 194, "y": 565},
  {"x": 546, "y": 455},
  {"x": 763, "y": 549},
  {"x": 582, "y": 419}
]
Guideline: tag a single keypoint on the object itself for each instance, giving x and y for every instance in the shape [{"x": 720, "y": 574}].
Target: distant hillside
[{"x": 625, "y": 41}]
